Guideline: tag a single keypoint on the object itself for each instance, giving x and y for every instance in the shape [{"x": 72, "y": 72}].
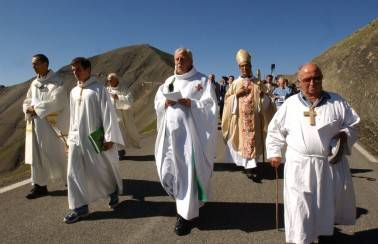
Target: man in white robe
[
  {"x": 122, "y": 101},
  {"x": 246, "y": 115},
  {"x": 46, "y": 112},
  {"x": 93, "y": 166},
  {"x": 317, "y": 194},
  {"x": 186, "y": 108}
]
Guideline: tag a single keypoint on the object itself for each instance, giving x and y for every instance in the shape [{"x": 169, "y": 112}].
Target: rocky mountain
[
  {"x": 142, "y": 68},
  {"x": 351, "y": 69}
]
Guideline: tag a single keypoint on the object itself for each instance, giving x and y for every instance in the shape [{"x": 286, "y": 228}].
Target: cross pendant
[{"x": 311, "y": 113}]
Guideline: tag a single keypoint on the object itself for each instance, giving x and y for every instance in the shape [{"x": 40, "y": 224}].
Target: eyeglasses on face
[{"x": 315, "y": 79}]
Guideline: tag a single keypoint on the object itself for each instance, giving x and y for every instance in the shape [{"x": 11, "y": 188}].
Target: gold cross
[{"x": 311, "y": 113}]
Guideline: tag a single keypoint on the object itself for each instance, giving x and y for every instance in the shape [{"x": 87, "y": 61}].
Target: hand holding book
[{"x": 107, "y": 145}]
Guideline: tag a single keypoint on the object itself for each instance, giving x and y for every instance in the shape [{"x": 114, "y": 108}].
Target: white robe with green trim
[{"x": 185, "y": 146}]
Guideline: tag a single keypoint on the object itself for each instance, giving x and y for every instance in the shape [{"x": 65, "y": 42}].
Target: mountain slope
[
  {"x": 350, "y": 68},
  {"x": 142, "y": 68}
]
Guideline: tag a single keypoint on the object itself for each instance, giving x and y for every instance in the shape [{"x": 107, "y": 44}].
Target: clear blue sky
[{"x": 287, "y": 33}]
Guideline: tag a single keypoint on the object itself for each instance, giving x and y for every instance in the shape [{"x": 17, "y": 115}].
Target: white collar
[
  {"x": 247, "y": 78},
  {"x": 49, "y": 74},
  {"x": 88, "y": 82},
  {"x": 187, "y": 75},
  {"x": 113, "y": 87},
  {"x": 40, "y": 81}
]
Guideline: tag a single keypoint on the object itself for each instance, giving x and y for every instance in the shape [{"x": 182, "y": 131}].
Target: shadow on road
[
  {"x": 360, "y": 171},
  {"x": 139, "y": 189},
  {"x": 248, "y": 217},
  {"x": 356, "y": 171},
  {"x": 366, "y": 236},
  {"x": 360, "y": 212},
  {"x": 139, "y": 158},
  {"x": 265, "y": 170},
  {"x": 58, "y": 193},
  {"x": 131, "y": 209},
  {"x": 226, "y": 167}
]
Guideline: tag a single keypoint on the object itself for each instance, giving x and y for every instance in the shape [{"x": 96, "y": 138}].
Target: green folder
[{"x": 97, "y": 139}]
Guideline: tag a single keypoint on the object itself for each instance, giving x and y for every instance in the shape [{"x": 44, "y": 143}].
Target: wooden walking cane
[{"x": 276, "y": 169}]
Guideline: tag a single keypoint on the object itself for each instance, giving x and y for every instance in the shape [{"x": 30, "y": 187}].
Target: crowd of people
[
  {"x": 81, "y": 137},
  {"x": 278, "y": 89}
]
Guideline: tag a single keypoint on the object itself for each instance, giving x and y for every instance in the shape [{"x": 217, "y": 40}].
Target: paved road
[{"x": 240, "y": 211}]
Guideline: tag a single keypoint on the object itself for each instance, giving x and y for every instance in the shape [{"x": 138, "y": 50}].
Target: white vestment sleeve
[
  {"x": 234, "y": 106},
  {"x": 125, "y": 100},
  {"x": 56, "y": 102},
  {"x": 27, "y": 102},
  {"x": 276, "y": 137},
  {"x": 350, "y": 120},
  {"x": 109, "y": 119},
  {"x": 160, "y": 106},
  {"x": 204, "y": 113}
]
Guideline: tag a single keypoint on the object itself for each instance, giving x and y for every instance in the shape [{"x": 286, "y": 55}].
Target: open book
[{"x": 173, "y": 96}]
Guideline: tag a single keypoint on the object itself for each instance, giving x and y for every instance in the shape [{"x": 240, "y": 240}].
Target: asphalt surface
[{"x": 240, "y": 211}]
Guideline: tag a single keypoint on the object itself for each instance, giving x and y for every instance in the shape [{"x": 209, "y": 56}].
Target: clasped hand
[
  {"x": 243, "y": 91},
  {"x": 107, "y": 145},
  {"x": 343, "y": 140},
  {"x": 30, "y": 110}
]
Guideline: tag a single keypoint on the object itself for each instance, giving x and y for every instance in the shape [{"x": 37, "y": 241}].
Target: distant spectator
[
  {"x": 231, "y": 78},
  {"x": 222, "y": 92},
  {"x": 215, "y": 85},
  {"x": 281, "y": 92}
]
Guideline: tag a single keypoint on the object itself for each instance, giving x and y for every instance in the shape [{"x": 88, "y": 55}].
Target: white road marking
[
  {"x": 365, "y": 153},
  {"x": 14, "y": 186}
]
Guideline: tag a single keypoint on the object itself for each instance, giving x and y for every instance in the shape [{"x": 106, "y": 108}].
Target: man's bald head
[
  {"x": 310, "y": 80},
  {"x": 113, "y": 80},
  {"x": 309, "y": 68}
]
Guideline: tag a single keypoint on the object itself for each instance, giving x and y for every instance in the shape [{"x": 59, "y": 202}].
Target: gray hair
[
  {"x": 186, "y": 51},
  {"x": 113, "y": 75}
]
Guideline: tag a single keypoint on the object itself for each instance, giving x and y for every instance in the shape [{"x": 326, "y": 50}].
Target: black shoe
[
  {"x": 37, "y": 191},
  {"x": 121, "y": 153},
  {"x": 114, "y": 200},
  {"x": 253, "y": 175},
  {"x": 325, "y": 239},
  {"x": 182, "y": 226}
]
